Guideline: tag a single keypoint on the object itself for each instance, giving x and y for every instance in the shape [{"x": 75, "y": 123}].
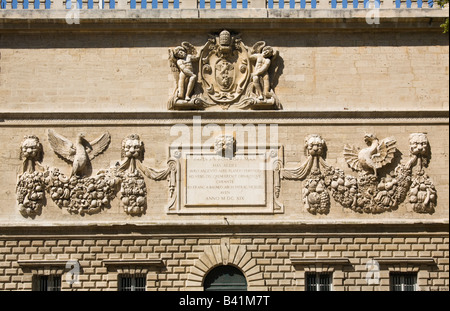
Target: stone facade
[
  {"x": 269, "y": 261},
  {"x": 340, "y": 82}
]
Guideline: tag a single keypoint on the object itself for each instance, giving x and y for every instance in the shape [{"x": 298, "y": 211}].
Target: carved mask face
[
  {"x": 30, "y": 148},
  {"x": 314, "y": 145},
  {"x": 418, "y": 144},
  {"x": 132, "y": 148}
]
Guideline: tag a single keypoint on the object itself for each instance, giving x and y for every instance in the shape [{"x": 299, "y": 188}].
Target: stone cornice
[
  {"x": 225, "y": 117},
  {"x": 42, "y": 263},
  {"x": 269, "y": 19},
  {"x": 133, "y": 262},
  {"x": 105, "y": 230},
  {"x": 323, "y": 261},
  {"x": 405, "y": 260}
]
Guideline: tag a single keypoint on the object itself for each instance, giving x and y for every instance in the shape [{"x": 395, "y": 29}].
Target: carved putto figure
[
  {"x": 376, "y": 155},
  {"x": 181, "y": 60},
  {"x": 224, "y": 73},
  {"x": 80, "y": 153},
  {"x": 263, "y": 56}
]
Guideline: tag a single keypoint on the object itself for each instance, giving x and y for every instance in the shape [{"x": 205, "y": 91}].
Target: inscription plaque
[{"x": 213, "y": 181}]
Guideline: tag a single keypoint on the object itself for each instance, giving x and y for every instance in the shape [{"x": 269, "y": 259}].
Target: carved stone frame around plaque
[{"x": 260, "y": 162}]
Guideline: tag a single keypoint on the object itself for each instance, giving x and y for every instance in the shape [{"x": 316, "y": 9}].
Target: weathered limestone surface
[
  {"x": 269, "y": 261},
  {"x": 341, "y": 79},
  {"x": 332, "y": 59}
]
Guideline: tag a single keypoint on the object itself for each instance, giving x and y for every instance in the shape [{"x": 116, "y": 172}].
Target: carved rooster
[
  {"x": 376, "y": 155},
  {"x": 79, "y": 153}
]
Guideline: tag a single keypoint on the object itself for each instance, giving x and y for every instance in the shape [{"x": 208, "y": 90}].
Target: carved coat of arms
[{"x": 224, "y": 72}]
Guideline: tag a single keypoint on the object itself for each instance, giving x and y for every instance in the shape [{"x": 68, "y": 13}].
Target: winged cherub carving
[
  {"x": 370, "y": 159},
  {"x": 263, "y": 56},
  {"x": 80, "y": 153},
  {"x": 181, "y": 62}
]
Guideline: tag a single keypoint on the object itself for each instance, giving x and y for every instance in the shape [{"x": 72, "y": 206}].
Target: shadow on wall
[{"x": 164, "y": 39}]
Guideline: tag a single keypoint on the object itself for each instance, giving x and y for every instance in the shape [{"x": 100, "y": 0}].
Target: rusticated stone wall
[{"x": 264, "y": 259}]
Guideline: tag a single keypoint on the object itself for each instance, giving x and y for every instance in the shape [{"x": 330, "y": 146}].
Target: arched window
[{"x": 225, "y": 278}]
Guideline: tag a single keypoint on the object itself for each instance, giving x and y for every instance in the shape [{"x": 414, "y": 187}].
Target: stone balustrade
[{"x": 216, "y": 4}]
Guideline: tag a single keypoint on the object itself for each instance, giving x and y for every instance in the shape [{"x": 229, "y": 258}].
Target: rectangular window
[
  {"x": 403, "y": 282},
  {"x": 318, "y": 282},
  {"x": 47, "y": 283},
  {"x": 132, "y": 283}
]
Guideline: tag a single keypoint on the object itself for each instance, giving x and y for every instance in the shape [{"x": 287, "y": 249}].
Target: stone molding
[
  {"x": 226, "y": 254},
  {"x": 251, "y": 18},
  {"x": 406, "y": 260},
  {"x": 319, "y": 261},
  {"x": 178, "y": 117},
  {"x": 319, "y": 265},
  {"x": 133, "y": 266},
  {"x": 376, "y": 223},
  {"x": 44, "y": 267},
  {"x": 42, "y": 263}
]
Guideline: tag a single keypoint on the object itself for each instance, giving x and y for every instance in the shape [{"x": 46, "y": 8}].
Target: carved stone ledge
[
  {"x": 406, "y": 260},
  {"x": 36, "y": 264},
  {"x": 323, "y": 261},
  {"x": 134, "y": 262},
  {"x": 436, "y": 117},
  {"x": 197, "y": 19}
]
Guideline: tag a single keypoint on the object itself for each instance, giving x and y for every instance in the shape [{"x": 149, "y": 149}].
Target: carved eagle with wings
[
  {"x": 80, "y": 153},
  {"x": 370, "y": 159}
]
